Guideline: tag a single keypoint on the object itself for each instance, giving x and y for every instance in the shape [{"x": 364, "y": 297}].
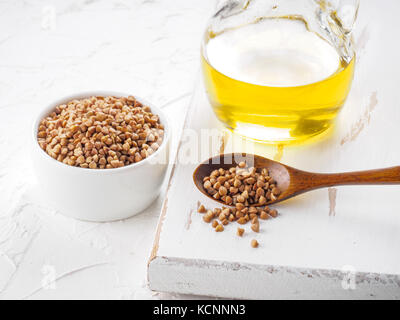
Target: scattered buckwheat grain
[
  {"x": 255, "y": 227},
  {"x": 254, "y": 243}
]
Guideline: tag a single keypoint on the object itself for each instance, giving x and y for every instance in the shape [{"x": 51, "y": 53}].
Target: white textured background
[{"x": 50, "y": 49}]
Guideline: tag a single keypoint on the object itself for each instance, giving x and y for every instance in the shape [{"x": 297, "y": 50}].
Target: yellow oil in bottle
[{"x": 274, "y": 80}]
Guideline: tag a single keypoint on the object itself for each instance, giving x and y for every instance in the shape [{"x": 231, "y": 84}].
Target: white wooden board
[{"x": 333, "y": 243}]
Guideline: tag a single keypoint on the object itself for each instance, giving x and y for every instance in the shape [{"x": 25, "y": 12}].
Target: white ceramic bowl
[{"x": 100, "y": 194}]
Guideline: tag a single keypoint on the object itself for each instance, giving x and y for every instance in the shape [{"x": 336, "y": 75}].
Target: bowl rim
[{"x": 104, "y": 93}]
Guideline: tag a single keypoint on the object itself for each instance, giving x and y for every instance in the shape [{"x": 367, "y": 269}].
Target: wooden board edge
[
  {"x": 252, "y": 281},
  {"x": 154, "y": 250}
]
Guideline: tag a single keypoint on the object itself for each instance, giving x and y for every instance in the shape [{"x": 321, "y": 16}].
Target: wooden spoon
[{"x": 291, "y": 181}]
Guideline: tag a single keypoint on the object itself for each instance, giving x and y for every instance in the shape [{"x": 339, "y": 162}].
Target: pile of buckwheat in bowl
[
  {"x": 101, "y": 132},
  {"x": 241, "y": 187}
]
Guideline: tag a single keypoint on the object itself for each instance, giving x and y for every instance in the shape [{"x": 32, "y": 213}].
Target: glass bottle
[{"x": 279, "y": 71}]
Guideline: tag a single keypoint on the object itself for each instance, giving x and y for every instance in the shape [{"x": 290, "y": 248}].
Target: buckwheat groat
[
  {"x": 241, "y": 185},
  {"x": 101, "y": 132},
  {"x": 254, "y": 243},
  {"x": 240, "y": 232}
]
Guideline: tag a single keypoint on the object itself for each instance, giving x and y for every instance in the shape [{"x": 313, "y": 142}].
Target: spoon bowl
[
  {"x": 279, "y": 171},
  {"x": 291, "y": 181}
]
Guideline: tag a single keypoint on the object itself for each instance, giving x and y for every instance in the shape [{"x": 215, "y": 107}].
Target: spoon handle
[{"x": 377, "y": 176}]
